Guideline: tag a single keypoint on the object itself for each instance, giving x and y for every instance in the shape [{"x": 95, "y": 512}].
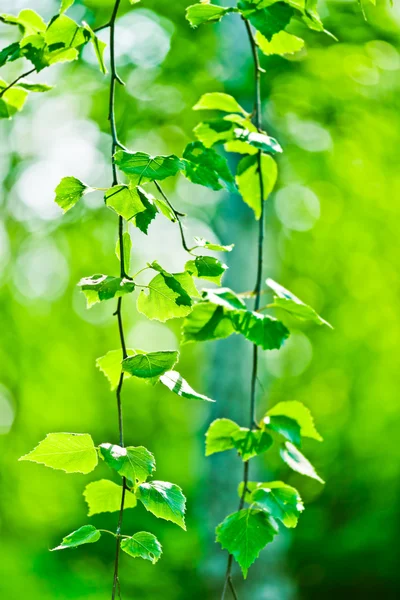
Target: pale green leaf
[
  {"x": 125, "y": 201},
  {"x": 69, "y": 191},
  {"x": 111, "y": 366},
  {"x": 269, "y": 19},
  {"x": 165, "y": 209},
  {"x": 282, "y": 43},
  {"x": 260, "y": 141},
  {"x": 35, "y": 87},
  {"x": 205, "y": 13},
  {"x": 206, "y": 322},
  {"x": 206, "y": 267},
  {"x": 142, "y": 545},
  {"x": 28, "y": 21},
  {"x": 104, "y": 287},
  {"x": 99, "y": 46},
  {"x": 224, "y": 297},
  {"x": 298, "y": 462},
  {"x": 135, "y": 463},
  {"x": 293, "y": 305},
  {"x": 11, "y": 101},
  {"x": 244, "y": 534},
  {"x": 219, "y": 101},
  {"x": 289, "y": 428},
  {"x": 203, "y": 243},
  {"x": 63, "y": 32},
  {"x": 299, "y": 413},
  {"x": 165, "y": 500},
  {"x": 150, "y": 365},
  {"x": 65, "y": 5},
  {"x": 127, "y": 248},
  {"x": 69, "y": 452},
  {"x": 105, "y": 496},
  {"x": 169, "y": 297},
  {"x": 281, "y": 501},
  {"x": 248, "y": 180},
  {"x": 175, "y": 382},
  {"x": 84, "y": 535},
  {"x": 141, "y": 167},
  {"x": 206, "y": 167},
  {"x": 220, "y": 434}
]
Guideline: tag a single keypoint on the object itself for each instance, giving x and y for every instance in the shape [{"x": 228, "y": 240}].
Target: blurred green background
[{"x": 331, "y": 239}]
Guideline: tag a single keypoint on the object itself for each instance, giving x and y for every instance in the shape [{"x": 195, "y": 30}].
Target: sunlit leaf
[
  {"x": 105, "y": 496},
  {"x": 281, "y": 501},
  {"x": 282, "y": 43},
  {"x": 298, "y": 462},
  {"x": 248, "y": 180},
  {"x": 142, "y": 545},
  {"x": 125, "y": 201},
  {"x": 206, "y": 267},
  {"x": 206, "y": 322},
  {"x": 104, "y": 287},
  {"x": 269, "y": 19},
  {"x": 127, "y": 248},
  {"x": 205, "y": 13},
  {"x": 111, "y": 366},
  {"x": 219, "y": 101},
  {"x": 165, "y": 500},
  {"x": 88, "y": 534},
  {"x": 298, "y": 412},
  {"x": 175, "y": 382},
  {"x": 219, "y": 436},
  {"x": 203, "y": 243},
  {"x": 151, "y": 364},
  {"x": 135, "y": 463},
  {"x": 206, "y": 167},
  {"x": 69, "y": 452},
  {"x": 169, "y": 297},
  {"x": 69, "y": 191},
  {"x": 250, "y": 443},
  {"x": 141, "y": 167},
  {"x": 293, "y": 305}
]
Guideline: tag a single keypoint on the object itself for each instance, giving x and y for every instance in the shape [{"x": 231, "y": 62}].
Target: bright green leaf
[
  {"x": 127, "y": 248},
  {"x": 250, "y": 443},
  {"x": 289, "y": 428},
  {"x": 111, "y": 366},
  {"x": 244, "y": 534},
  {"x": 99, "y": 47},
  {"x": 219, "y": 436},
  {"x": 69, "y": 191},
  {"x": 165, "y": 500},
  {"x": 10, "y": 53},
  {"x": 263, "y": 330},
  {"x": 269, "y": 20},
  {"x": 11, "y": 101},
  {"x": 69, "y": 452},
  {"x": 206, "y": 167},
  {"x": 202, "y": 243},
  {"x": 141, "y": 167},
  {"x": 205, "y": 13},
  {"x": 84, "y": 535},
  {"x": 175, "y": 382},
  {"x": 281, "y": 501},
  {"x": 298, "y": 462},
  {"x": 151, "y": 364},
  {"x": 293, "y": 305},
  {"x": 104, "y": 287},
  {"x": 206, "y": 322},
  {"x": 260, "y": 141},
  {"x": 105, "y": 496},
  {"x": 142, "y": 545},
  {"x": 206, "y": 267},
  {"x": 65, "y": 5},
  {"x": 248, "y": 180},
  {"x": 135, "y": 463},
  {"x": 28, "y": 21},
  {"x": 125, "y": 201},
  {"x": 219, "y": 101},
  {"x": 169, "y": 297},
  {"x": 299, "y": 413},
  {"x": 144, "y": 218},
  {"x": 282, "y": 43}
]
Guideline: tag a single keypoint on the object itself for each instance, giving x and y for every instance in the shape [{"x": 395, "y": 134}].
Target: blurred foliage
[{"x": 331, "y": 239}]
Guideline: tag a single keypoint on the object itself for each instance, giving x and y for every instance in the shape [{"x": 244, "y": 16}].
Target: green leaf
[
  {"x": 289, "y": 428},
  {"x": 11, "y": 101},
  {"x": 281, "y": 501},
  {"x": 251, "y": 443},
  {"x": 151, "y": 364},
  {"x": 224, "y": 297},
  {"x": 219, "y": 101},
  {"x": 165, "y": 500},
  {"x": 105, "y": 496},
  {"x": 99, "y": 47},
  {"x": 135, "y": 463},
  {"x": 144, "y": 218},
  {"x": 165, "y": 209},
  {"x": 63, "y": 33},
  {"x": 10, "y": 53},
  {"x": 36, "y": 87},
  {"x": 142, "y": 545},
  {"x": 65, "y": 5},
  {"x": 268, "y": 20},
  {"x": 220, "y": 434},
  {"x": 263, "y": 330},
  {"x": 248, "y": 180},
  {"x": 206, "y": 322},
  {"x": 203, "y": 243},
  {"x": 260, "y": 141},
  {"x": 104, "y": 287},
  {"x": 298, "y": 462},
  {"x": 69, "y": 452},
  {"x": 28, "y": 21},
  {"x": 299, "y": 413},
  {"x": 127, "y": 248},
  {"x": 282, "y": 43},
  {"x": 84, "y": 535},
  {"x": 169, "y": 297},
  {"x": 125, "y": 201},
  {"x": 206, "y": 167},
  {"x": 293, "y": 305},
  {"x": 111, "y": 366},
  {"x": 244, "y": 534},
  {"x": 175, "y": 382},
  {"x": 69, "y": 191},
  {"x": 197, "y": 14},
  {"x": 206, "y": 267},
  {"x": 141, "y": 167}
]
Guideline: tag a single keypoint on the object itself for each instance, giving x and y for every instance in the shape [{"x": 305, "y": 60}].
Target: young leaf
[
  {"x": 268, "y": 20},
  {"x": 289, "y": 428},
  {"x": 125, "y": 201},
  {"x": 36, "y": 87},
  {"x": 69, "y": 452},
  {"x": 219, "y": 101},
  {"x": 299, "y": 413},
  {"x": 151, "y": 364},
  {"x": 65, "y": 5},
  {"x": 260, "y": 141},
  {"x": 281, "y": 501},
  {"x": 11, "y": 101},
  {"x": 165, "y": 209},
  {"x": 104, "y": 287},
  {"x": 248, "y": 180},
  {"x": 224, "y": 297},
  {"x": 105, "y": 496},
  {"x": 99, "y": 47},
  {"x": 282, "y": 43},
  {"x": 127, "y": 248},
  {"x": 165, "y": 500},
  {"x": 214, "y": 131},
  {"x": 10, "y": 53},
  {"x": 175, "y": 382},
  {"x": 205, "y": 13},
  {"x": 298, "y": 462},
  {"x": 244, "y": 534},
  {"x": 206, "y": 267},
  {"x": 169, "y": 297},
  {"x": 251, "y": 443},
  {"x": 141, "y": 167},
  {"x": 134, "y": 463},
  {"x": 84, "y": 535},
  {"x": 69, "y": 191},
  {"x": 203, "y": 243},
  {"x": 111, "y": 366},
  {"x": 63, "y": 33},
  {"x": 144, "y": 218},
  {"x": 142, "y": 545},
  {"x": 28, "y": 21},
  {"x": 206, "y": 322},
  {"x": 220, "y": 436},
  {"x": 206, "y": 167},
  {"x": 263, "y": 330},
  {"x": 293, "y": 305}
]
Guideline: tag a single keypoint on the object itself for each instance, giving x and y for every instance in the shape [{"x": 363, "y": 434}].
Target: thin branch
[
  {"x": 177, "y": 216},
  {"x": 10, "y": 85},
  {"x": 257, "y": 288}
]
